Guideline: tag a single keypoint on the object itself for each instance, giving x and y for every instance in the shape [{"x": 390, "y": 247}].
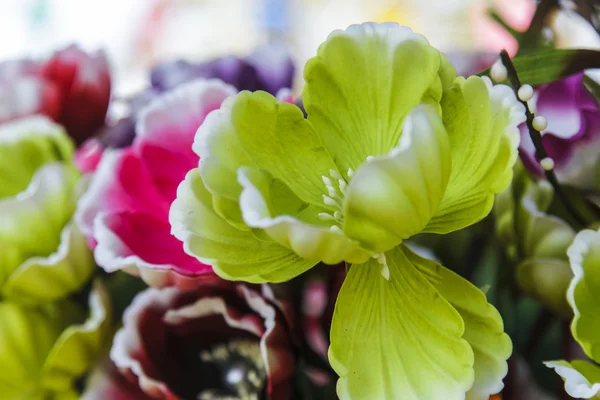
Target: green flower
[
  {"x": 44, "y": 350},
  {"x": 44, "y": 256},
  {"x": 582, "y": 378},
  {"x": 536, "y": 240},
  {"x": 394, "y": 145}
]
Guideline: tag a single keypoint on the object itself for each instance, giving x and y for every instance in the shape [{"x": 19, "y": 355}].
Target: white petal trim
[
  {"x": 576, "y": 385},
  {"x": 310, "y": 242}
]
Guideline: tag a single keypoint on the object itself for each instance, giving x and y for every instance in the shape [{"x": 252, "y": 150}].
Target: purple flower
[
  {"x": 572, "y": 138},
  {"x": 208, "y": 343},
  {"x": 268, "y": 68}
]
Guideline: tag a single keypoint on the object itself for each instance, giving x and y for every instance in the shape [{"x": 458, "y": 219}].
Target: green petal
[
  {"x": 547, "y": 280},
  {"x": 306, "y": 235},
  {"x": 27, "y": 335},
  {"x": 484, "y": 329},
  {"x": 255, "y": 130},
  {"x": 584, "y": 291},
  {"x": 393, "y": 197},
  {"x": 31, "y": 222},
  {"x": 362, "y": 84},
  {"x": 41, "y": 279},
  {"x": 234, "y": 254},
  {"x": 541, "y": 234},
  {"x": 482, "y": 122},
  {"x": 383, "y": 344},
  {"x": 26, "y": 145},
  {"x": 79, "y": 346},
  {"x": 582, "y": 378}
]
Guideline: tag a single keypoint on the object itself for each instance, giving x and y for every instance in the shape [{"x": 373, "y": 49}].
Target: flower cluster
[{"x": 220, "y": 241}]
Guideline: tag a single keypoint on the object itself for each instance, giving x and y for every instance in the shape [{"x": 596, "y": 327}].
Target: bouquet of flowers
[{"x": 397, "y": 231}]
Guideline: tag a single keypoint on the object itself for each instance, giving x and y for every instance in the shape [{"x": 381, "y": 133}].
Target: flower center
[
  {"x": 336, "y": 187},
  {"x": 242, "y": 371}
]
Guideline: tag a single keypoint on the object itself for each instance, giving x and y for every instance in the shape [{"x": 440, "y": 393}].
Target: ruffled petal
[
  {"x": 42, "y": 279},
  {"x": 392, "y": 197},
  {"x": 233, "y": 253},
  {"x": 482, "y": 122},
  {"x": 384, "y": 346},
  {"x": 255, "y": 130},
  {"x": 31, "y": 222},
  {"x": 484, "y": 329},
  {"x": 362, "y": 84},
  {"x": 307, "y": 236},
  {"x": 79, "y": 346},
  {"x": 582, "y": 378},
  {"x": 584, "y": 291}
]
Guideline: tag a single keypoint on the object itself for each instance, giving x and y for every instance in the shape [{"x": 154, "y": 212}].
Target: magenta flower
[
  {"x": 72, "y": 88},
  {"x": 227, "y": 342},
  {"x": 572, "y": 138},
  {"x": 125, "y": 211}
]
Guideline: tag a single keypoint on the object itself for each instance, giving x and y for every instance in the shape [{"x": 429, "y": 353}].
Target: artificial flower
[
  {"x": 125, "y": 211},
  {"x": 394, "y": 145},
  {"x": 268, "y": 68},
  {"x": 572, "y": 138},
  {"x": 582, "y": 378},
  {"x": 45, "y": 350},
  {"x": 72, "y": 87},
  {"x": 44, "y": 255},
  {"x": 536, "y": 240},
  {"x": 203, "y": 344}
]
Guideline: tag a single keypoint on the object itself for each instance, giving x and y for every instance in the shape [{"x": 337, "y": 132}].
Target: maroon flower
[
  {"x": 208, "y": 343},
  {"x": 83, "y": 81},
  {"x": 72, "y": 88},
  {"x": 572, "y": 138}
]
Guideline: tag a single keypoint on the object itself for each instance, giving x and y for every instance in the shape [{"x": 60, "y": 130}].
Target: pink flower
[
  {"x": 125, "y": 211},
  {"x": 206, "y": 343},
  {"x": 72, "y": 88},
  {"x": 572, "y": 138}
]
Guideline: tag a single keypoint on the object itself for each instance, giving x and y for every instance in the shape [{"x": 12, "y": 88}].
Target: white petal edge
[
  {"x": 178, "y": 105},
  {"x": 304, "y": 239},
  {"x": 576, "y": 385}
]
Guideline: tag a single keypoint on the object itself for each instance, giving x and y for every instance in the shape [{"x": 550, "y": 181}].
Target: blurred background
[{"x": 138, "y": 33}]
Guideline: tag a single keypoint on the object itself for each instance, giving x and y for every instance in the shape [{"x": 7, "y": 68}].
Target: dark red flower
[
  {"x": 207, "y": 343},
  {"x": 83, "y": 81}
]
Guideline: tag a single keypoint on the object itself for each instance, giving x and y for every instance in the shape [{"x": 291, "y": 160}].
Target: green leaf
[
  {"x": 482, "y": 122},
  {"x": 484, "y": 329},
  {"x": 397, "y": 338},
  {"x": 234, "y": 254},
  {"x": 362, "y": 84},
  {"x": 393, "y": 197},
  {"x": 582, "y": 378},
  {"x": 550, "y": 65}
]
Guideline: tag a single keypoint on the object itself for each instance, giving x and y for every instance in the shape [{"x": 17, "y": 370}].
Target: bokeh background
[{"x": 138, "y": 33}]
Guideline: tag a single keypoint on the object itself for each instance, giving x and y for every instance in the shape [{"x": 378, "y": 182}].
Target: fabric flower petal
[
  {"x": 393, "y": 197},
  {"x": 584, "y": 291},
  {"x": 233, "y": 253},
  {"x": 384, "y": 346},
  {"x": 362, "y": 84},
  {"x": 482, "y": 122},
  {"x": 484, "y": 329},
  {"x": 275, "y": 137},
  {"x": 79, "y": 345},
  {"x": 301, "y": 232},
  {"x": 582, "y": 378}
]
